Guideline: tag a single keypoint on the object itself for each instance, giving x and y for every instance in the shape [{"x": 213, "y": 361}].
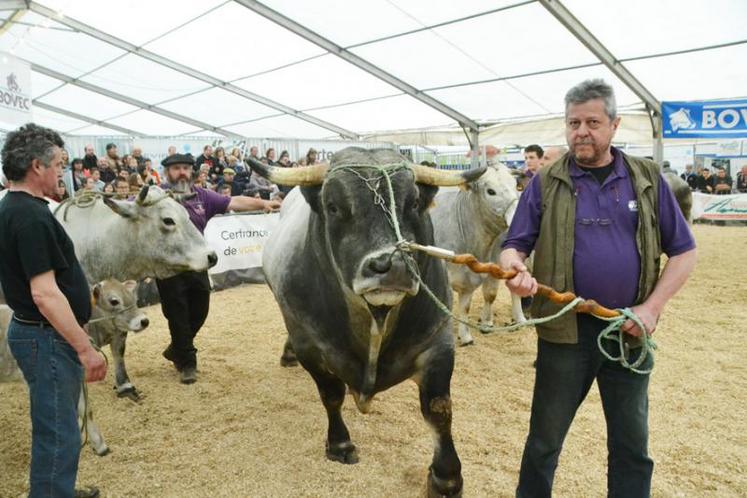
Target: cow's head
[
  {"x": 162, "y": 234},
  {"x": 118, "y": 300},
  {"x": 350, "y": 197},
  {"x": 495, "y": 192}
]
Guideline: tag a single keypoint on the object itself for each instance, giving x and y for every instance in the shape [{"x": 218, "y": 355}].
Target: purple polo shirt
[
  {"x": 204, "y": 206},
  {"x": 606, "y": 264}
]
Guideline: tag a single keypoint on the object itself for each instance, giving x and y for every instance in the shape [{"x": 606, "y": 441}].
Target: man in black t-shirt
[{"x": 45, "y": 286}]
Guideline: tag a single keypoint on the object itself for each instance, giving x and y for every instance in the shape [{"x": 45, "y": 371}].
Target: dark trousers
[
  {"x": 564, "y": 375},
  {"x": 185, "y": 301}
]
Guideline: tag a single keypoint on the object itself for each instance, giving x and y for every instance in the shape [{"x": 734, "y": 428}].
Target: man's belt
[{"x": 34, "y": 323}]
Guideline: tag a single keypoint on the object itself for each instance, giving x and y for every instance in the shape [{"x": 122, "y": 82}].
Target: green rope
[{"x": 613, "y": 333}]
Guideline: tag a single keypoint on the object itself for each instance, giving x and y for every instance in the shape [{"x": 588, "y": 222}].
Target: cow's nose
[
  {"x": 212, "y": 259},
  {"x": 144, "y": 322},
  {"x": 381, "y": 263}
]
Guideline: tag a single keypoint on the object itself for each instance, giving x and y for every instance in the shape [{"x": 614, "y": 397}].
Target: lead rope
[{"x": 611, "y": 333}]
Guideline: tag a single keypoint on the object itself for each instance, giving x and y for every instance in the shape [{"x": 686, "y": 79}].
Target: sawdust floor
[{"x": 252, "y": 428}]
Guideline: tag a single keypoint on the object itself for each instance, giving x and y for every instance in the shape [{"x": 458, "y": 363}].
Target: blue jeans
[
  {"x": 54, "y": 376},
  {"x": 564, "y": 375}
]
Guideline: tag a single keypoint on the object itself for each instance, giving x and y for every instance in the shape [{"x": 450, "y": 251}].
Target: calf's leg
[{"x": 122, "y": 381}]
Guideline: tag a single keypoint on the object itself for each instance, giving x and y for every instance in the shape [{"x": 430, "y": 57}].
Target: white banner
[
  {"x": 239, "y": 239},
  {"x": 719, "y": 207},
  {"x": 15, "y": 92}
]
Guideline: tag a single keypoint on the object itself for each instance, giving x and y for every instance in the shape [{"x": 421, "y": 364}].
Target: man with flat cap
[{"x": 185, "y": 297}]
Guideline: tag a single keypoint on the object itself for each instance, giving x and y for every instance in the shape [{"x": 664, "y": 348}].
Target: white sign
[
  {"x": 15, "y": 91},
  {"x": 719, "y": 207},
  {"x": 239, "y": 239}
]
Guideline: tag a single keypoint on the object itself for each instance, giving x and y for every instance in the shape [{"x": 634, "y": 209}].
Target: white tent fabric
[{"x": 187, "y": 67}]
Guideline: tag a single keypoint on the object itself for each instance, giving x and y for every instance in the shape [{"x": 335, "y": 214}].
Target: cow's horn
[
  {"x": 143, "y": 194},
  {"x": 305, "y": 176},
  {"x": 439, "y": 178}
]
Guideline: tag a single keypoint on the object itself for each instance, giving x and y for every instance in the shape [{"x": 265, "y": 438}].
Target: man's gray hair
[
  {"x": 590, "y": 90},
  {"x": 25, "y": 144}
]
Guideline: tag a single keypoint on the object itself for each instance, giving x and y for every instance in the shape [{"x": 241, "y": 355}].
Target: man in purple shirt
[
  {"x": 185, "y": 298},
  {"x": 598, "y": 220}
]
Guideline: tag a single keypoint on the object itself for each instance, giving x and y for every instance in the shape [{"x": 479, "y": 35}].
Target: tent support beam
[
  {"x": 357, "y": 61},
  {"x": 562, "y": 14},
  {"x": 214, "y": 82},
  {"x": 129, "y": 100},
  {"x": 81, "y": 117}
]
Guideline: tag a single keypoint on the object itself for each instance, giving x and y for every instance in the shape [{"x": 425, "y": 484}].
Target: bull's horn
[
  {"x": 143, "y": 194},
  {"x": 305, "y": 176},
  {"x": 439, "y": 178}
]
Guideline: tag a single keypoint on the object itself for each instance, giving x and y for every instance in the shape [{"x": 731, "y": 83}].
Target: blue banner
[{"x": 705, "y": 119}]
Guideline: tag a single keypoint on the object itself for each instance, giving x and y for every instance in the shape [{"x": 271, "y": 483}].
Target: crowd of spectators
[
  {"x": 124, "y": 176},
  {"x": 720, "y": 183}
]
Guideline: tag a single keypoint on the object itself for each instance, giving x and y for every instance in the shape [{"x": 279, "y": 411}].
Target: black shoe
[
  {"x": 188, "y": 375},
  {"x": 87, "y": 492}
]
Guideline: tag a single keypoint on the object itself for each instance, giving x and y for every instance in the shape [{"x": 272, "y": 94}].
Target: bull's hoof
[
  {"x": 102, "y": 450},
  {"x": 438, "y": 488},
  {"x": 130, "y": 393},
  {"x": 288, "y": 361},
  {"x": 486, "y": 328},
  {"x": 470, "y": 342},
  {"x": 342, "y": 452}
]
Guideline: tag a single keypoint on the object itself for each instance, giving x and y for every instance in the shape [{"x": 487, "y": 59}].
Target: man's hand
[
  {"x": 272, "y": 205},
  {"x": 94, "y": 364},
  {"x": 645, "y": 314},
  {"x": 523, "y": 284}
]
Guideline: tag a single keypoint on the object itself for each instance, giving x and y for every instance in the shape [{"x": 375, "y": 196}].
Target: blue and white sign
[{"x": 705, "y": 119}]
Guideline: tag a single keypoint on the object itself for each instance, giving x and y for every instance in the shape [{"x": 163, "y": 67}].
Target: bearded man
[{"x": 185, "y": 297}]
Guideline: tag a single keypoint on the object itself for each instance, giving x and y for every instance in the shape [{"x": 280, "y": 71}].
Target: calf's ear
[
  {"x": 96, "y": 291},
  {"x": 130, "y": 285},
  {"x": 125, "y": 209}
]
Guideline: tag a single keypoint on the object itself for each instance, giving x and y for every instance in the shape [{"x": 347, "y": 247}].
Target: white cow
[{"x": 472, "y": 221}]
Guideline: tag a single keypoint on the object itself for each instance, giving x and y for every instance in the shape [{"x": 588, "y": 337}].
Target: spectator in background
[
  {"x": 65, "y": 158},
  {"x": 722, "y": 183},
  {"x": 151, "y": 173},
  {"x": 88, "y": 186},
  {"x": 136, "y": 183},
  {"x": 254, "y": 152},
  {"x": 228, "y": 179},
  {"x": 137, "y": 153},
  {"x": 171, "y": 150},
  {"x": 205, "y": 158},
  {"x": 552, "y": 154},
  {"x": 284, "y": 160},
  {"x": 121, "y": 189},
  {"x": 97, "y": 182},
  {"x": 270, "y": 155},
  {"x": 242, "y": 176},
  {"x": 532, "y": 162},
  {"x": 225, "y": 190},
  {"x": 219, "y": 164},
  {"x": 77, "y": 177},
  {"x": 742, "y": 180},
  {"x": 112, "y": 157},
  {"x": 705, "y": 182},
  {"x": 89, "y": 160},
  {"x": 690, "y": 177},
  {"x": 109, "y": 188},
  {"x": 311, "y": 157},
  {"x": 202, "y": 180},
  {"x": 131, "y": 164},
  {"x": 61, "y": 193}
]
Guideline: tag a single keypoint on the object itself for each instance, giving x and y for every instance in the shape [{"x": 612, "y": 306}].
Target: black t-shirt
[
  {"x": 601, "y": 173},
  {"x": 33, "y": 242}
]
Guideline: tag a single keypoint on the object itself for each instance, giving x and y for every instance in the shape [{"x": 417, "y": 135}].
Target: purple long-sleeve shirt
[{"x": 606, "y": 264}]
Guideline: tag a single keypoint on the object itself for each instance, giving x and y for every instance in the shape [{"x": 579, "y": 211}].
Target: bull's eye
[
  {"x": 332, "y": 208},
  {"x": 114, "y": 301},
  {"x": 169, "y": 222},
  {"x": 415, "y": 204},
  {"x": 491, "y": 191}
]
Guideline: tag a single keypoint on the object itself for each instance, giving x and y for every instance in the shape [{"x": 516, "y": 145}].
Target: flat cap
[{"x": 178, "y": 159}]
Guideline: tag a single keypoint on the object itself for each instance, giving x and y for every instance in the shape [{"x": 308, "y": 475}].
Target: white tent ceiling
[{"x": 323, "y": 68}]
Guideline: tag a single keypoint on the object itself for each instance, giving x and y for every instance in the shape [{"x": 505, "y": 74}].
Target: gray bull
[
  {"x": 354, "y": 310},
  {"x": 472, "y": 220},
  {"x": 681, "y": 191},
  {"x": 151, "y": 237}
]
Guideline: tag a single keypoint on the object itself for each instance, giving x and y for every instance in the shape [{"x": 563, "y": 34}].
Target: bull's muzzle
[{"x": 383, "y": 279}]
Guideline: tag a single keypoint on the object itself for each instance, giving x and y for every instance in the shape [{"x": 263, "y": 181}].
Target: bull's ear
[
  {"x": 427, "y": 193},
  {"x": 130, "y": 285},
  {"x": 312, "y": 196},
  {"x": 125, "y": 209}
]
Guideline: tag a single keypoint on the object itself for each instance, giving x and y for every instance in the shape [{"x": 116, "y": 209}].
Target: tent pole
[{"x": 475, "y": 142}]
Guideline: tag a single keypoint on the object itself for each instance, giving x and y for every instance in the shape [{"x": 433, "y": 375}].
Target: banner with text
[
  {"x": 705, "y": 119},
  {"x": 719, "y": 207},
  {"x": 15, "y": 92},
  {"x": 238, "y": 239}
]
